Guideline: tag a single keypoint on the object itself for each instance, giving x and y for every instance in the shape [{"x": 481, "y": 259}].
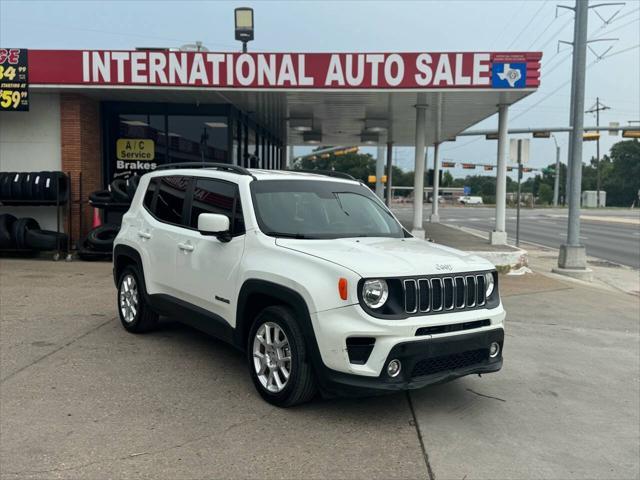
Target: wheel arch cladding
[
  {"x": 124, "y": 256},
  {"x": 255, "y": 295}
]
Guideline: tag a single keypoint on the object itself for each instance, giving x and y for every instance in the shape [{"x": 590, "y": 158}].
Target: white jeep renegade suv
[{"x": 309, "y": 274}]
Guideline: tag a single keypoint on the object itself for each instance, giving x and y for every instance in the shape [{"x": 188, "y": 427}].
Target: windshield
[{"x": 320, "y": 209}]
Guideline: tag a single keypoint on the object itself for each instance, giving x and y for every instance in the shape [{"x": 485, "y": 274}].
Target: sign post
[
  {"x": 519, "y": 152},
  {"x": 14, "y": 80}
]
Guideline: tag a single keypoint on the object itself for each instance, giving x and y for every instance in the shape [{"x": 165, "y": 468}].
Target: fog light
[
  {"x": 494, "y": 349},
  {"x": 394, "y": 367}
]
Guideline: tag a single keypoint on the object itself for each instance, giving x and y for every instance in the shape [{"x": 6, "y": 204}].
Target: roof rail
[
  {"x": 217, "y": 166},
  {"x": 328, "y": 173}
]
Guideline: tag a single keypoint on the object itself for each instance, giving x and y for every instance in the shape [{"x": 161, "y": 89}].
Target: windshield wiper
[
  {"x": 340, "y": 204},
  {"x": 287, "y": 235}
]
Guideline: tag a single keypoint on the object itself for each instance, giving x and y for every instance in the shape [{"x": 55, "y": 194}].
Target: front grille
[
  {"x": 444, "y": 294},
  {"x": 429, "y": 366}
]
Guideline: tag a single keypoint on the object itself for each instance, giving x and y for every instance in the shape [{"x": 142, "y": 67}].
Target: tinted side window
[
  {"x": 212, "y": 196},
  {"x": 148, "y": 196},
  {"x": 170, "y": 198}
]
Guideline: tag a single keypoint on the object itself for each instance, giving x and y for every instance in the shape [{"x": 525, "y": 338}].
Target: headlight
[
  {"x": 489, "y": 284},
  {"x": 375, "y": 293}
]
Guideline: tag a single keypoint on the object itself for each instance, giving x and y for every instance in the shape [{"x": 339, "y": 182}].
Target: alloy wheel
[
  {"x": 129, "y": 298},
  {"x": 272, "y": 357}
]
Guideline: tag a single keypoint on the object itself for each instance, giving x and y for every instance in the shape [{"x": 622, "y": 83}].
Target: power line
[
  {"x": 556, "y": 34},
  {"x": 618, "y": 28},
  {"x": 567, "y": 82},
  {"x": 533, "y": 17},
  {"x": 542, "y": 33}
]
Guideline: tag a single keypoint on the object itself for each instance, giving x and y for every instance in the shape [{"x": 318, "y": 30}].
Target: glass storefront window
[
  {"x": 235, "y": 139},
  {"x": 138, "y": 137},
  {"x": 251, "y": 149},
  {"x": 197, "y": 138},
  {"x": 139, "y": 144}
]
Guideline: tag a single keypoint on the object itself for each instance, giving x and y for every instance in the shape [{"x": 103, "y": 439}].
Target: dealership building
[{"x": 101, "y": 115}]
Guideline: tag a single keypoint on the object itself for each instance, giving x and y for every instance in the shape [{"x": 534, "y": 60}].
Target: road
[{"x": 612, "y": 235}]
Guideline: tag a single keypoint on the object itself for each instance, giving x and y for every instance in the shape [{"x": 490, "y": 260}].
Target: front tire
[
  {"x": 135, "y": 314},
  {"x": 278, "y": 361}
]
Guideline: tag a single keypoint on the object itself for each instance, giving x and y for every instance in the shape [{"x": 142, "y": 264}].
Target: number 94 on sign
[{"x": 11, "y": 98}]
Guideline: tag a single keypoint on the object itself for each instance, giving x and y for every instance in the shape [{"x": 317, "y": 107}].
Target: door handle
[
  {"x": 144, "y": 235},
  {"x": 185, "y": 247}
]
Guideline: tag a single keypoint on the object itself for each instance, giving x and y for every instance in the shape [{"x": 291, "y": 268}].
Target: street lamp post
[{"x": 244, "y": 26}]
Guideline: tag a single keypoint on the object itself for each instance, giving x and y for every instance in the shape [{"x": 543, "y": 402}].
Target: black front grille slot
[
  {"x": 471, "y": 291},
  {"x": 359, "y": 349},
  {"x": 456, "y": 361},
  {"x": 424, "y": 291},
  {"x": 436, "y": 294},
  {"x": 480, "y": 289},
  {"x": 448, "y": 293},
  {"x": 456, "y": 327},
  {"x": 460, "y": 292},
  {"x": 410, "y": 296}
]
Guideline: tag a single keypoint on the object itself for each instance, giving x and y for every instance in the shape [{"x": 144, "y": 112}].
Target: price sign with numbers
[{"x": 14, "y": 80}]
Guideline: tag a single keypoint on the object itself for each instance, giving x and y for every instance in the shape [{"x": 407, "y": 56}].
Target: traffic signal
[
  {"x": 542, "y": 134},
  {"x": 590, "y": 136},
  {"x": 631, "y": 134}
]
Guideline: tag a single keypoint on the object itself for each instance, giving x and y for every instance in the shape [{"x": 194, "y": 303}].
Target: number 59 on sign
[{"x": 10, "y": 98}]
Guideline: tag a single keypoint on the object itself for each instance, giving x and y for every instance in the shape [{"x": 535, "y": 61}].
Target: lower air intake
[{"x": 429, "y": 366}]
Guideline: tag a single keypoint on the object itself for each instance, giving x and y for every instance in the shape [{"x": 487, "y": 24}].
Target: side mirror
[{"x": 214, "y": 224}]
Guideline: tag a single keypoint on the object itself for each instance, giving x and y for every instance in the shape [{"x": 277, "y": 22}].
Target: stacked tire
[
  {"x": 33, "y": 188},
  {"x": 26, "y": 235},
  {"x": 98, "y": 243},
  {"x": 120, "y": 191}
]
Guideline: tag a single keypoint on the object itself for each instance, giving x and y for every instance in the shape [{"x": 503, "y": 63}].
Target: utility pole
[
  {"x": 596, "y": 109},
  {"x": 573, "y": 255}
]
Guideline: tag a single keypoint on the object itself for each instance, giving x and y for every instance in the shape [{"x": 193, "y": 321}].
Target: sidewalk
[{"x": 505, "y": 256}]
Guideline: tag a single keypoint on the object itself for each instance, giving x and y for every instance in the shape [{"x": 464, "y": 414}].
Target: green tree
[
  {"x": 447, "y": 179},
  {"x": 545, "y": 194},
  {"x": 621, "y": 179},
  {"x": 358, "y": 165}
]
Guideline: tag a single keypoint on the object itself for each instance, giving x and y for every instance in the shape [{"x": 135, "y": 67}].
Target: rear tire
[
  {"x": 134, "y": 312},
  {"x": 275, "y": 337}
]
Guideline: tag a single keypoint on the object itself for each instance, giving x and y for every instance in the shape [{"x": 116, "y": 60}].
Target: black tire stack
[
  {"x": 33, "y": 188},
  {"x": 98, "y": 243},
  {"x": 25, "y": 234}
]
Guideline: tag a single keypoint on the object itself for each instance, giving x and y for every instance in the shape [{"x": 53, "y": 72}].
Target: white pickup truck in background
[{"x": 468, "y": 200}]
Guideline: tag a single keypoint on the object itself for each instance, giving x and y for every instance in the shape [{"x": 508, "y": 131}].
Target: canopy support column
[
  {"x": 418, "y": 182},
  {"x": 499, "y": 234}
]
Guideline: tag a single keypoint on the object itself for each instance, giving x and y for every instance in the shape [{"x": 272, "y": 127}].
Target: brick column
[{"x": 81, "y": 152}]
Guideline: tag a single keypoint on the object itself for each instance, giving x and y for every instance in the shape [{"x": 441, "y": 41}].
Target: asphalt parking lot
[{"x": 81, "y": 398}]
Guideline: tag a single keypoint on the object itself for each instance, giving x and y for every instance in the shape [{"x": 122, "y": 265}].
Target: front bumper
[
  {"x": 333, "y": 327},
  {"x": 424, "y": 362}
]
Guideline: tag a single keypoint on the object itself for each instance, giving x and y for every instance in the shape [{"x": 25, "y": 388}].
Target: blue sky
[{"x": 372, "y": 26}]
